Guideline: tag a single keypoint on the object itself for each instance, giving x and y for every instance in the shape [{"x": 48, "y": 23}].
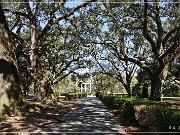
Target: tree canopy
[{"x": 48, "y": 41}]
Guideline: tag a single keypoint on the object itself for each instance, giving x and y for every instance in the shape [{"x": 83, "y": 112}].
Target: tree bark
[
  {"x": 156, "y": 85},
  {"x": 129, "y": 92},
  {"x": 157, "y": 80},
  {"x": 35, "y": 71},
  {"x": 128, "y": 87},
  {"x": 9, "y": 88},
  {"x": 145, "y": 91},
  {"x": 34, "y": 61}
]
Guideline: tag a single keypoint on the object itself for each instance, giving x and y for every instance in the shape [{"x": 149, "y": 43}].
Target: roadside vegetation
[{"x": 155, "y": 116}]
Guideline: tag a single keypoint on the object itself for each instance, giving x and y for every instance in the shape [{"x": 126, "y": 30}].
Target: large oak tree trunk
[
  {"x": 145, "y": 90},
  {"x": 9, "y": 90},
  {"x": 157, "y": 80},
  {"x": 35, "y": 71},
  {"x": 156, "y": 85},
  {"x": 34, "y": 59}
]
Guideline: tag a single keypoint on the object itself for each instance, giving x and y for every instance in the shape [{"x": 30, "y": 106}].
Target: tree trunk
[
  {"x": 9, "y": 90},
  {"x": 156, "y": 85},
  {"x": 34, "y": 59},
  {"x": 128, "y": 85},
  {"x": 128, "y": 89},
  {"x": 129, "y": 93},
  {"x": 145, "y": 91},
  {"x": 157, "y": 80}
]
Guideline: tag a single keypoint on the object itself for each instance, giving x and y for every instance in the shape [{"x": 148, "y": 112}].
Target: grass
[{"x": 173, "y": 98}]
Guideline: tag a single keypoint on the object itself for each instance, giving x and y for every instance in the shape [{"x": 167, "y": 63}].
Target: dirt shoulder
[{"x": 37, "y": 116}]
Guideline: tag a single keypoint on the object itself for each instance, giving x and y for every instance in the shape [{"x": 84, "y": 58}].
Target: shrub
[
  {"x": 70, "y": 96},
  {"x": 125, "y": 105},
  {"x": 118, "y": 102},
  {"x": 108, "y": 99},
  {"x": 145, "y": 115},
  {"x": 149, "y": 103},
  {"x": 97, "y": 94},
  {"x": 167, "y": 120},
  {"x": 150, "y": 114},
  {"x": 128, "y": 110},
  {"x": 83, "y": 94},
  {"x": 65, "y": 94}
]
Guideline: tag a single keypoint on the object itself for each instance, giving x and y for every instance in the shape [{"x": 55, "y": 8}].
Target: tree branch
[
  {"x": 175, "y": 46},
  {"x": 167, "y": 36},
  {"x": 30, "y": 14},
  {"x": 145, "y": 31},
  {"x": 17, "y": 13},
  {"x": 50, "y": 22},
  {"x": 61, "y": 78},
  {"x": 159, "y": 26},
  {"x": 3, "y": 20},
  {"x": 68, "y": 65}
]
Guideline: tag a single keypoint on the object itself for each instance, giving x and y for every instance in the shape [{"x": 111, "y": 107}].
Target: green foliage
[
  {"x": 143, "y": 79},
  {"x": 70, "y": 96},
  {"x": 172, "y": 83},
  {"x": 127, "y": 105},
  {"x": 66, "y": 85},
  {"x": 128, "y": 110},
  {"x": 106, "y": 84},
  {"x": 108, "y": 99},
  {"x": 118, "y": 102},
  {"x": 168, "y": 120}
]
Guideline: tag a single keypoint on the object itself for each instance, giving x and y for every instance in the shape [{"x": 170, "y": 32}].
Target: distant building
[{"x": 86, "y": 85}]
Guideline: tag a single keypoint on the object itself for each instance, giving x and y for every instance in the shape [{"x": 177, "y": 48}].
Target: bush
[
  {"x": 65, "y": 94},
  {"x": 97, "y": 94},
  {"x": 167, "y": 120},
  {"x": 118, "y": 102},
  {"x": 70, "y": 96},
  {"x": 144, "y": 112},
  {"x": 125, "y": 105},
  {"x": 83, "y": 94},
  {"x": 128, "y": 110},
  {"x": 108, "y": 99},
  {"x": 145, "y": 115},
  {"x": 150, "y": 103}
]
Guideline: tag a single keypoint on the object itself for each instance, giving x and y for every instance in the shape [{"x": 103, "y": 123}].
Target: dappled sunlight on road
[{"x": 88, "y": 115}]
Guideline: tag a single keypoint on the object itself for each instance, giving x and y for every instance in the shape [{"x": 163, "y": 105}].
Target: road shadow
[
  {"x": 37, "y": 117},
  {"x": 88, "y": 116}
]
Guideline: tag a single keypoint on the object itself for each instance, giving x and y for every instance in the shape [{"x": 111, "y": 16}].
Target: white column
[
  {"x": 81, "y": 87},
  {"x": 90, "y": 87},
  {"x": 76, "y": 84},
  {"x": 85, "y": 86}
]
